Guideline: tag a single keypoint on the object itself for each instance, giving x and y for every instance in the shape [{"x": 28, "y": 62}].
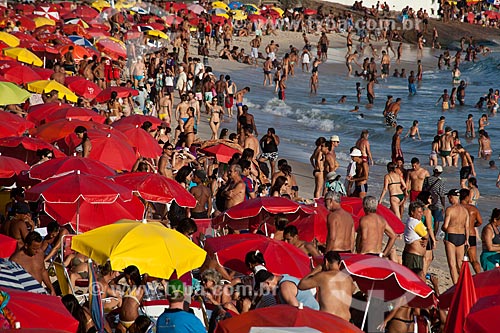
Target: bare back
[{"x": 340, "y": 235}]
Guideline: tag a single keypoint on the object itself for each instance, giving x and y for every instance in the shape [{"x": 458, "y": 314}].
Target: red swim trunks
[{"x": 414, "y": 195}]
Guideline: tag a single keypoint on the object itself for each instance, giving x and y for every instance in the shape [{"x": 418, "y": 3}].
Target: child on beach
[
  {"x": 359, "y": 90},
  {"x": 413, "y": 132},
  {"x": 469, "y": 127},
  {"x": 314, "y": 83}
]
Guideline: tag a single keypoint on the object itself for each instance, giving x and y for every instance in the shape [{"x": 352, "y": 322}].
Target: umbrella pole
[
  {"x": 77, "y": 215},
  {"x": 367, "y": 307}
]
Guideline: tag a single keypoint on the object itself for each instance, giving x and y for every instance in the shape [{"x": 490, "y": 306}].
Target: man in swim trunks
[
  {"x": 415, "y": 178},
  {"x": 475, "y": 221},
  {"x": 267, "y": 67},
  {"x": 385, "y": 63},
  {"x": 467, "y": 164},
  {"x": 415, "y": 237},
  {"x": 456, "y": 228},
  {"x": 238, "y": 96},
  {"x": 445, "y": 147},
  {"x": 360, "y": 178}
]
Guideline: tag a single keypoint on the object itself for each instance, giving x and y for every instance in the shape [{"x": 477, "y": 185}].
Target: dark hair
[
  {"x": 281, "y": 162},
  {"x": 332, "y": 256},
  {"x": 223, "y": 133},
  {"x": 232, "y": 136},
  {"x": 278, "y": 184},
  {"x": 319, "y": 141},
  {"x": 140, "y": 325},
  {"x": 495, "y": 214},
  {"x": 182, "y": 174},
  {"x": 44, "y": 152},
  {"x": 415, "y": 160},
  {"x": 52, "y": 226},
  {"x": 76, "y": 310},
  {"x": 147, "y": 125},
  {"x": 391, "y": 166},
  {"x": 82, "y": 130},
  {"x": 424, "y": 197},
  {"x": 280, "y": 222},
  {"x": 234, "y": 159},
  {"x": 187, "y": 226},
  {"x": 106, "y": 268},
  {"x": 271, "y": 129},
  {"x": 247, "y": 154},
  {"x": 245, "y": 164},
  {"x": 291, "y": 230},
  {"x": 254, "y": 257},
  {"x": 134, "y": 274},
  {"x": 472, "y": 181},
  {"x": 31, "y": 237},
  {"x": 464, "y": 193}
]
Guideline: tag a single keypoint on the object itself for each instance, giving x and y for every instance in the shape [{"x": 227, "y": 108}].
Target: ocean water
[{"x": 301, "y": 119}]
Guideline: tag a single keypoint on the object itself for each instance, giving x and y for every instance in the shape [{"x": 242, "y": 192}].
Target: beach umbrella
[
  {"x": 40, "y": 49},
  {"x": 113, "y": 47},
  {"x": 44, "y": 73},
  {"x": 221, "y": 5},
  {"x": 24, "y": 7},
  {"x": 61, "y": 128},
  {"x": 46, "y": 86},
  {"x": 219, "y": 12},
  {"x": 9, "y": 39},
  {"x": 12, "y": 94},
  {"x": 67, "y": 164},
  {"x": 221, "y": 152},
  {"x": 235, "y": 5},
  {"x": 483, "y": 316},
  {"x": 27, "y": 23},
  {"x": 137, "y": 119},
  {"x": 43, "y": 21},
  {"x": 255, "y": 212},
  {"x": 251, "y": 8},
  {"x": 10, "y": 168},
  {"x": 95, "y": 303},
  {"x": 309, "y": 11},
  {"x": 76, "y": 21},
  {"x": 157, "y": 33},
  {"x": 146, "y": 145},
  {"x": 100, "y": 5},
  {"x": 379, "y": 274},
  {"x": 238, "y": 15},
  {"x": 49, "y": 11},
  {"x": 25, "y": 148},
  {"x": 156, "y": 188},
  {"x": 278, "y": 10},
  {"x": 8, "y": 246},
  {"x": 77, "y": 113},
  {"x": 7, "y": 130},
  {"x": 86, "y": 12},
  {"x": 39, "y": 311},
  {"x": 76, "y": 29},
  {"x": 139, "y": 10},
  {"x": 196, "y": 8},
  {"x": 23, "y": 55},
  {"x": 23, "y": 36},
  {"x": 463, "y": 300},
  {"x": 173, "y": 19},
  {"x": 286, "y": 316},
  {"x": 13, "y": 275},
  {"x": 16, "y": 121},
  {"x": 82, "y": 87},
  {"x": 485, "y": 283},
  {"x": 152, "y": 247},
  {"x": 150, "y": 26},
  {"x": 38, "y": 113},
  {"x": 123, "y": 92},
  {"x": 79, "y": 40},
  {"x": 15, "y": 72},
  {"x": 281, "y": 257},
  {"x": 257, "y": 18}
]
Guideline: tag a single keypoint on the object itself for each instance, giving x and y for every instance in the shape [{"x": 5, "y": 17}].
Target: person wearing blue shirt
[{"x": 175, "y": 319}]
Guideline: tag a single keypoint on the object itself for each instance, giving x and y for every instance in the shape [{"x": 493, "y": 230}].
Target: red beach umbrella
[
  {"x": 38, "y": 113},
  {"x": 97, "y": 32},
  {"x": 76, "y": 29},
  {"x": 85, "y": 12},
  {"x": 24, "y": 148},
  {"x": 146, "y": 145},
  {"x": 462, "y": 302},
  {"x": 173, "y": 19},
  {"x": 67, "y": 164},
  {"x": 39, "y": 311},
  {"x": 156, "y": 188},
  {"x": 150, "y": 26},
  {"x": 10, "y": 168},
  {"x": 256, "y": 18},
  {"x": 137, "y": 119},
  {"x": 8, "y": 246},
  {"x": 281, "y": 257},
  {"x": 71, "y": 141},
  {"x": 113, "y": 47},
  {"x": 79, "y": 52},
  {"x": 113, "y": 151},
  {"x": 286, "y": 316},
  {"x": 61, "y": 128},
  {"x": 218, "y": 19},
  {"x": 123, "y": 92},
  {"x": 82, "y": 87},
  {"x": 313, "y": 226},
  {"x": 309, "y": 11},
  {"x": 483, "y": 317},
  {"x": 24, "y": 36},
  {"x": 17, "y": 73},
  {"x": 16, "y": 121},
  {"x": 45, "y": 73},
  {"x": 485, "y": 283},
  {"x": 72, "y": 112},
  {"x": 95, "y": 215},
  {"x": 49, "y": 11},
  {"x": 27, "y": 24},
  {"x": 24, "y": 7},
  {"x": 7, "y": 130},
  {"x": 221, "y": 152}
]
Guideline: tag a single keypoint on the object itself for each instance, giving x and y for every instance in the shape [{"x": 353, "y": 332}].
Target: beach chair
[{"x": 64, "y": 283}]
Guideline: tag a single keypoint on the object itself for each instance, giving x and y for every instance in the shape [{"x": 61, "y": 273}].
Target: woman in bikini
[
  {"x": 474, "y": 191},
  {"x": 115, "y": 109},
  {"x": 85, "y": 146},
  {"x": 400, "y": 319},
  {"x": 188, "y": 127},
  {"x": 396, "y": 186},
  {"x": 484, "y": 140},
  {"x": 433, "y": 157},
  {"x": 216, "y": 114},
  {"x": 131, "y": 300}
]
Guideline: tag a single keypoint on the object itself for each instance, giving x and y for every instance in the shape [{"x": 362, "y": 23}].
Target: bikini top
[
  {"x": 393, "y": 183},
  {"x": 496, "y": 238}
]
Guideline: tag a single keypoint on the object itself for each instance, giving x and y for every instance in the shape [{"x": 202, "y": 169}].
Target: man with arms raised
[
  {"x": 456, "y": 228},
  {"x": 371, "y": 231},
  {"x": 340, "y": 225},
  {"x": 335, "y": 288},
  {"x": 31, "y": 258},
  {"x": 415, "y": 237},
  {"x": 415, "y": 178}
]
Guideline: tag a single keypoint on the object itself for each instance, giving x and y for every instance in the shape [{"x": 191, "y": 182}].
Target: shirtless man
[
  {"x": 235, "y": 191},
  {"x": 330, "y": 162},
  {"x": 21, "y": 224},
  {"x": 99, "y": 74},
  {"x": 415, "y": 237},
  {"x": 475, "y": 221},
  {"x": 245, "y": 119},
  {"x": 324, "y": 43},
  {"x": 372, "y": 228},
  {"x": 364, "y": 146},
  {"x": 203, "y": 197},
  {"x": 254, "y": 54},
  {"x": 456, "y": 227},
  {"x": 267, "y": 68},
  {"x": 138, "y": 72},
  {"x": 370, "y": 91},
  {"x": 271, "y": 50},
  {"x": 181, "y": 115},
  {"x": 191, "y": 99},
  {"x": 335, "y": 288},
  {"x": 440, "y": 125},
  {"x": 350, "y": 59},
  {"x": 396, "y": 144},
  {"x": 30, "y": 257},
  {"x": 340, "y": 225},
  {"x": 415, "y": 178},
  {"x": 238, "y": 96},
  {"x": 59, "y": 74},
  {"x": 467, "y": 165},
  {"x": 400, "y": 53},
  {"x": 291, "y": 236},
  {"x": 317, "y": 161},
  {"x": 360, "y": 178},
  {"x": 445, "y": 147},
  {"x": 391, "y": 112},
  {"x": 385, "y": 64},
  {"x": 469, "y": 127},
  {"x": 251, "y": 141}
]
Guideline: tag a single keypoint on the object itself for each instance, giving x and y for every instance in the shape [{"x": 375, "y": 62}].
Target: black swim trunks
[
  {"x": 455, "y": 239},
  {"x": 465, "y": 172}
]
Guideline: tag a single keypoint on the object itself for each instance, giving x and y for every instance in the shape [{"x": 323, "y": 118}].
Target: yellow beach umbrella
[
  {"x": 220, "y": 4},
  {"x": 46, "y": 86},
  {"x": 23, "y": 55},
  {"x": 152, "y": 247},
  {"x": 125, "y": 4},
  {"x": 157, "y": 33},
  {"x": 12, "y": 94},
  {"x": 100, "y": 5},
  {"x": 239, "y": 14},
  {"x": 9, "y": 39},
  {"x": 278, "y": 10},
  {"x": 41, "y": 21}
]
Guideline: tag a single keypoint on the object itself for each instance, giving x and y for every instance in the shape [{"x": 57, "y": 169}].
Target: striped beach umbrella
[{"x": 13, "y": 275}]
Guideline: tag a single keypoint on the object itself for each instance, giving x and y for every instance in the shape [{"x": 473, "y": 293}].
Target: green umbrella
[{"x": 12, "y": 94}]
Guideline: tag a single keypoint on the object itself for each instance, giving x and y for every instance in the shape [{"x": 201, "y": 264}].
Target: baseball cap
[
  {"x": 356, "y": 153},
  {"x": 201, "y": 174},
  {"x": 335, "y": 138},
  {"x": 438, "y": 168},
  {"x": 175, "y": 287},
  {"x": 453, "y": 192},
  {"x": 331, "y": 175}
]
